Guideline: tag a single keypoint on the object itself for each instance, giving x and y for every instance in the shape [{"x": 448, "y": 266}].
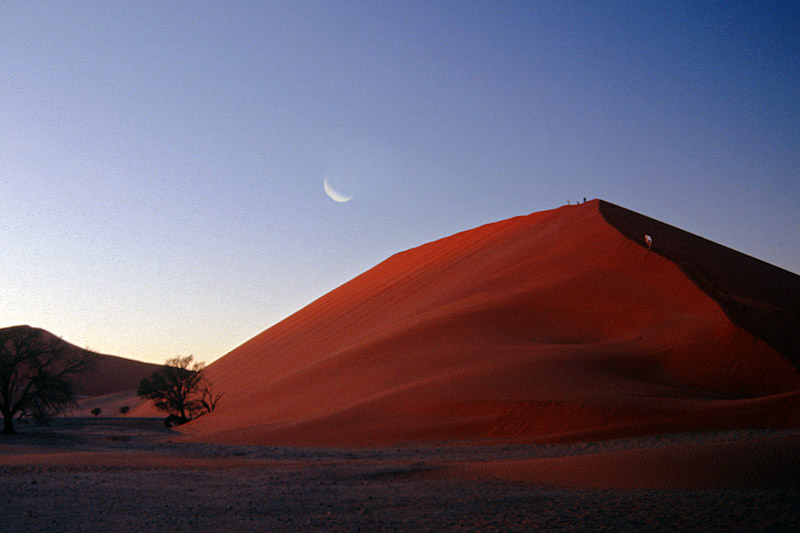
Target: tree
[
  {"x": 209, "y": 398},
  {"x": 96, "y": 411},
  {"x": 180, "y": 389},
  {"x": 35, "y": 374},
  {"x": 124, "y": 410}
]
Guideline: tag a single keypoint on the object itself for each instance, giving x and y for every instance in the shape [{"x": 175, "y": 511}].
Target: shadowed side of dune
[
  {"x": 550, "y": 326},
  {"x": 112, "y": 374},
  {"x": 758, "y": 297}
]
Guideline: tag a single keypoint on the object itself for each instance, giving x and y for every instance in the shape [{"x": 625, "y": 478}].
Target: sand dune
[
  {"x": 756, "y": 296},
  {"x": 113, "y": 374},
  {"x": 559, "y": 325}
]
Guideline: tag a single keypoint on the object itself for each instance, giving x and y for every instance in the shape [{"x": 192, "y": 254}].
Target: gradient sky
[{"x": 161, "y": 163}]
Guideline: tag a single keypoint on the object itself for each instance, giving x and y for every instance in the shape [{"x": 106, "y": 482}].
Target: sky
[{"x": 162, "y": 163}]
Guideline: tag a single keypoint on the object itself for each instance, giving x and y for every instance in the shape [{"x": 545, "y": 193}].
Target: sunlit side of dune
[{"x": 546, "y": 327}]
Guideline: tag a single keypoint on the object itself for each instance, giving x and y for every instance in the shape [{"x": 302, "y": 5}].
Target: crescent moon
[{"x": 336, "y": 196}]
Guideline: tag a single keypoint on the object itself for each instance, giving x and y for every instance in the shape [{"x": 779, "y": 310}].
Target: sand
[
  {"x": 113, "y": 374},
  {"x": 130, "y": 474},
  {"x": 744, "y": 462},
  {"x": 546, "y": 372},
  {"x": 551, "y": 327},
  {"x": 756, "y": 296}
]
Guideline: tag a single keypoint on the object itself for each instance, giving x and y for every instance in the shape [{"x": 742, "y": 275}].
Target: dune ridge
[
  {"x": 552, "y": 326},
  {"x": 112, "y": 374},
  {"x": 758, "y": 297}
]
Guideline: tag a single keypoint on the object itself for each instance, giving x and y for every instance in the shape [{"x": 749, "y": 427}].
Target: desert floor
[{"x": 131, "y": 474}]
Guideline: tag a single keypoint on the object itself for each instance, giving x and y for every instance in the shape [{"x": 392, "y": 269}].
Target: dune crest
[
  {"x": 112, "y": 374},
  {"x": 551, "y": 326}
]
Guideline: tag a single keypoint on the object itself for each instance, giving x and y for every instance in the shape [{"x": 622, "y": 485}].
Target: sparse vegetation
[
  {"x": 35, "y": 375},
  {"x": 96, "y": 411},
  {"x": 180, "y": 389}
]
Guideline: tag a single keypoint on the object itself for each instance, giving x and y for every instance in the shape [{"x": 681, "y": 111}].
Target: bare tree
[
  {"x": 35, "y": 374},
  {"x": 180, "y": 389},
  {"x": 209, "y": 398}
]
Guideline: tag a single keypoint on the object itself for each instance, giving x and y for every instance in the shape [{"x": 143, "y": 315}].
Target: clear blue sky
[{"x": 161, "y": 163}]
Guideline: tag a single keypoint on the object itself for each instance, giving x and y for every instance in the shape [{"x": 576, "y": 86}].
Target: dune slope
[
  {"x": 557, "y": 325},
  {"x": 756, "y": 296},
  {"x": 112, "y": 374}
]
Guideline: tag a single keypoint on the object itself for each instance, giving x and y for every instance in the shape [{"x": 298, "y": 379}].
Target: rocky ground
[{"x": 84, "y": 474}]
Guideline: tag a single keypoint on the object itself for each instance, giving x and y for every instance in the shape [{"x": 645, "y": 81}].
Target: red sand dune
[{"x": 551, "y": 326}]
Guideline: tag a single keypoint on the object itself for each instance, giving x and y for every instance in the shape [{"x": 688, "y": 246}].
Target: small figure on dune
[{"x": 648, "y": 240}]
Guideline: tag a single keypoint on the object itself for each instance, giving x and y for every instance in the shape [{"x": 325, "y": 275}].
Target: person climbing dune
[{"x": 648, "y": 241}]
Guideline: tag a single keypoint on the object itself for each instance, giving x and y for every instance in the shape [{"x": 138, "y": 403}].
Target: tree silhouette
[
  {"x": 209, "y": 398},
  {"x": 35, "y": 374},
  {"x": 180, "y": 389},
  {"x": 96, "y": 411}
]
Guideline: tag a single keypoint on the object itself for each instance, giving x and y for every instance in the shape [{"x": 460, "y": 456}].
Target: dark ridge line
[{"x": 756, "y": 296}]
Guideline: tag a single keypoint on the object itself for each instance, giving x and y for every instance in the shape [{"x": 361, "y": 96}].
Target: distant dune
[
  {"x": 560, "y": 325},
  {"x": 112, "y": 375}
]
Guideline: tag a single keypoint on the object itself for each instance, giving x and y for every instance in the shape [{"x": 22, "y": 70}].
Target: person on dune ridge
[{"x": 648, "y": 240}]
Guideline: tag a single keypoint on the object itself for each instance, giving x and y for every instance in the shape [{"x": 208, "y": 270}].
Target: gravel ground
[{"x": 301, "y": 489}]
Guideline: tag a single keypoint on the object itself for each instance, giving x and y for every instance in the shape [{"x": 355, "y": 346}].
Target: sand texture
[
  {"x": 129, "y": 474},
  {"x": 557, "y": 326}
]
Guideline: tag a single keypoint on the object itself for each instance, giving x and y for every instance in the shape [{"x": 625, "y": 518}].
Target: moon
[{"x": 335, "y": 196}]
